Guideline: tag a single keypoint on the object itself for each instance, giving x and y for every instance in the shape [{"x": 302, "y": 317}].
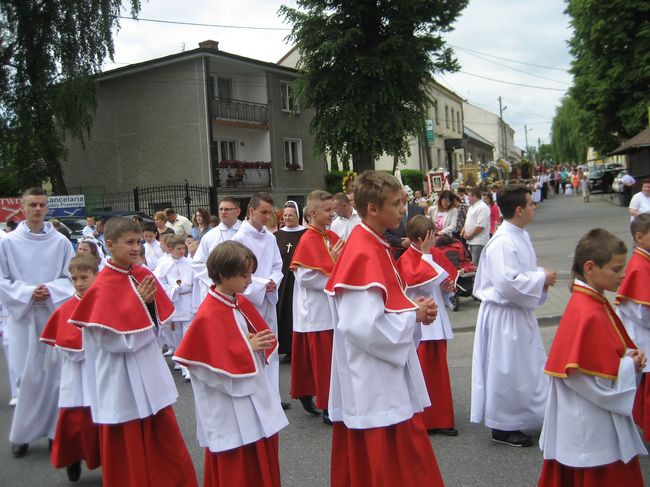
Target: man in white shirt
[
  {"x": 640, "y": 202},
  {"x": 347, "y": 217},
  {"x": 477, "y": 225},
  {"x": 181, "y": 225},
  {"x": 90, "y": 230}
]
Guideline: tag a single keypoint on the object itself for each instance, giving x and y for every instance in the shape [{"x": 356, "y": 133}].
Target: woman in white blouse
[{"x": 444, "y": 216}]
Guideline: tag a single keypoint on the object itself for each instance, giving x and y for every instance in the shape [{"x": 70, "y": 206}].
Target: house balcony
[
  {"x": 240, "y": 113},
  {"x": 242, "y": 174}
]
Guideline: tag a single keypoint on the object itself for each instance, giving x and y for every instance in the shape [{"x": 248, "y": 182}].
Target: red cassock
[
  {"x": 398, "y": 454},
  {"x": 592, "y": 340},
  {"x": 432, "y": 353},
  {"x": 219, "y": 345},
  {"x": 145, "y": 451},
  {"x": 76, "y": 437},
  {"x": 311, "y": 352},
  {"x": 636, "y": 288}
]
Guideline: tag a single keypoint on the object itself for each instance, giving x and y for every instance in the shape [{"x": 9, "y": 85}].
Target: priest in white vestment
[
  {"x": 263, "y": 291},
  {"x": 34, "y": 281},
  {"x": 229, "y": 211},
  {"x": 509, "y": 389}
]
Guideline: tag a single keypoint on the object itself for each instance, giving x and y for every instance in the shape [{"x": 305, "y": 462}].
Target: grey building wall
[
  {"x": 149, "y": 127},
  {"x": 294, "y": 126}
]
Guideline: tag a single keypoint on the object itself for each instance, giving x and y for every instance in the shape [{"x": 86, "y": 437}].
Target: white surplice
[
  {"x": 152, "y": 254},
  {"x": 235, "y": 411},
  {"x": 27, "y": 260},
  {"x": 168, "y": 274},
  {"x": 588, "y": 419},
  {"x": 509, "y": 388},
  {"x": 376, "y": 376},
  {"x": 269, "y": 266},
  {"x": 311, "y": 307},
  {"x": 220, "y": 233}
]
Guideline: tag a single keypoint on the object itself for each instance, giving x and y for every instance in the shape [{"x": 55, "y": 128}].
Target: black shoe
[
  {"x": 19, "y": 449},
  {"x": 285, "y": 405},
  {"x": 512, "y": 438},
  {"x": 443, "y": 431},
  {"x": 50, "y": 444},
  {"x": 326, "y": 418},
  {"x": 74, "y": 471},
  {"x": 286, "y": 359},
  {"x": 309, "y": 406}
]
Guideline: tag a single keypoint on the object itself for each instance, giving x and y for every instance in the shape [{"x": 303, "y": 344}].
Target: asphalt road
[{"x": 470, "y": 459}]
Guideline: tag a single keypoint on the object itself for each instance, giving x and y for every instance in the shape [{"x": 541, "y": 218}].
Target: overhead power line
[
  {"x": 196, "y": 24},
  {"x": 460, "y": 48},
  {"x": 512, "y": 82}
]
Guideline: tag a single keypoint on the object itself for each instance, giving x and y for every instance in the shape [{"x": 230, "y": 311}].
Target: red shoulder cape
[
  {"x": 313, "y": 250},
  {"x": 441, "y": 259},
  {"x": 414, "y": 269},
  {"x": 216, "y": 342},
  {"x": 59, "y": 333},
  {"x": 366, "y": 262},
  {"x": 636, "y": 284},
  {"x": 113, "y": 303},
  {"x": 590, "y": 337}
]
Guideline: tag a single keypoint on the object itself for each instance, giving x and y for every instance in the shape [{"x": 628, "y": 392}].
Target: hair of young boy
[
  {"x": 230, "y": 259},
  {"x": 417, "y": 227},
  {"x": 641, "y": 224},
  {"x": 84, "y": 262},
  {"x": 257, "y": 198},
  {"x": 510, "y": 197},
  {"x": 598, "y": 246},
  {"x": 373, "y": 187},
  {"x": 118, "y": 226}
]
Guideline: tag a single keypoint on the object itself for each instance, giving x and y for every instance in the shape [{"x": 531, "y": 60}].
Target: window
[
  {"x": 224, "y": 88},
  {"x": 288, "y": 100},
  {"x": 293, "y": 154},
  {"x": 460, "y": 127},
  {"x": 453, "y": 121},
  {"x": 227, "y": 150},
  {"x": 446, "y": 116},
  {"x": 435, "y": 108}
]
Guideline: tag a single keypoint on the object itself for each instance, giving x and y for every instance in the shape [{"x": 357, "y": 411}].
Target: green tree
[
  {"x": 611, "y": 56},
  {"x": 49, "y": 52},
  {"x": 567, "y": 133},
  {"x": 364, "y": 69}
]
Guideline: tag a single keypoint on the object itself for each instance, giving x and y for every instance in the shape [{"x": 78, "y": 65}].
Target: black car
[
  {"x": 75, "y": 225},
  {"x": 602, "y": 177}
]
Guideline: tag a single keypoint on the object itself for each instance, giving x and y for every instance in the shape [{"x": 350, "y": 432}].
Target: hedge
[{"x": 410, "y": 177}]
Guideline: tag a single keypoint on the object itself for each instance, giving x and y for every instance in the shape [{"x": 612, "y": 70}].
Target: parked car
[
  {"x": 75, "y": 225},
  {"x": 128, "y": 214},
  {"x": 602, "y": 177},
  {"x": 617, "y": 184}
]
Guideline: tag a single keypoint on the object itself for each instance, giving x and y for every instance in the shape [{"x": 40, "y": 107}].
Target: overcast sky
[{"x": 532, "y": 32}]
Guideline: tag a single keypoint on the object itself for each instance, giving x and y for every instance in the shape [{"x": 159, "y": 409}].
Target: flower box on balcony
[{"x": 244, "y": 165}]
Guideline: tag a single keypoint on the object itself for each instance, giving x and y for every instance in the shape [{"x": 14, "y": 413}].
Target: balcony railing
[
  {"x": 243, "y": 174},
  {"x": 243, "y": 111}
]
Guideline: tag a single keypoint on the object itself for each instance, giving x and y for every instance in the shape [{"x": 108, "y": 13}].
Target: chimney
[{"x": 209, "y": 44}]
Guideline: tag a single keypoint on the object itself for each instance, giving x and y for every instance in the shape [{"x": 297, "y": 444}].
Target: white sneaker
[{"x": 13, "y": 402}]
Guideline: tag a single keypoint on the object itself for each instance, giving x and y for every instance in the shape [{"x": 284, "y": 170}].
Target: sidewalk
[{"x": 559, "y": 223}]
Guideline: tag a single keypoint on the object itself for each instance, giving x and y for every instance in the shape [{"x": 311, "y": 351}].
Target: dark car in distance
[{"x": 602, "y": 177}]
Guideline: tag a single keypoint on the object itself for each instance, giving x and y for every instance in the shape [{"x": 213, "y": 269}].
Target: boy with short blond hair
[
  {"x": 377, "y": 388},
  {"x": 131, "y": 390},
  {"x": 76, "y": 437},
  {"x": 313, "y": 330}
]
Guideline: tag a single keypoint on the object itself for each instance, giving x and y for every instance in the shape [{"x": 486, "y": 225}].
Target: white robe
[
  {"x": 127, "y": 377},
  {"x": 311, "y": 305},
  {"x": 168, "y": 273},
  {"x": 269, "y": 266},
  {"x": 441, "y": 328},
  {"x": 235, "y": 411},
  {"x": 202, "y": 282},
  {"x": 152, "y": 253},
  {"x": 509, "y": 388},
  {"x": 376, "y": 376},
  {"x": 27, "y": 260},
  {"x": 588, "y": 420},
  {"x": 343, "y": 226},
  {"x": 73, "y": 378}
]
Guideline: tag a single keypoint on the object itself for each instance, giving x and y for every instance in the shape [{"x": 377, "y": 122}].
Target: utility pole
[
  {"x": 526, "y": 134},
  {"x": 539, "y": 145},
  {"x": 502, "y": 128}
]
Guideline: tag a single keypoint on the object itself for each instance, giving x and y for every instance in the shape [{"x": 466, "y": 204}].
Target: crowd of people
[{"x": 353, "y": 291}]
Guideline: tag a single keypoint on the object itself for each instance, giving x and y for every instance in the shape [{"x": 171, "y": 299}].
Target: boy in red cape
[
  {"x": 589, "y": 438},
  {"x": 313, "y": 329},
  {"x": 377, "y": 387},
  {"x": 76, "y": 437},
  {"x": 426, "y": 277},
  {"x": 633, "y": 299},
  {"x": 225, "y": 350},
  {"x": 130, "y": 387}
]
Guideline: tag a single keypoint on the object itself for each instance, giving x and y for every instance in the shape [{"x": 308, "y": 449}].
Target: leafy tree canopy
[
  {"x": 611, "y": 68},
  {"x": 365, "y": 66},
  {"x": 49, "y": 50},
  {"x": 567, "y": 137}
]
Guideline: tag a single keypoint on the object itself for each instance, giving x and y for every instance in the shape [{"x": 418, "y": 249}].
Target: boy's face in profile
[
  {"x": 126, "y": 249},
  {"x": 82, "y": 279},
  {"x": 642, "y": 241},
  {"x": 237, "y": 284},
  {"x": 609, "y": 276},
  {"x": 149, "y": 237},
  {"x": 178, "y": 252},
  {"x": 322, "y": 213},
  {"x": 391, "y": 212}
]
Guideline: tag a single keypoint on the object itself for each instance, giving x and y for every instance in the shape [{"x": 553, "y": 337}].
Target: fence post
[
  {"x": 188, "y": 199},
  {"x": 214, "y": 200},
  {"x": 136, "y": 199}
]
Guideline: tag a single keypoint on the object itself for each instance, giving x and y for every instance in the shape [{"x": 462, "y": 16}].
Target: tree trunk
[{"x": 363, "y": 162}]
